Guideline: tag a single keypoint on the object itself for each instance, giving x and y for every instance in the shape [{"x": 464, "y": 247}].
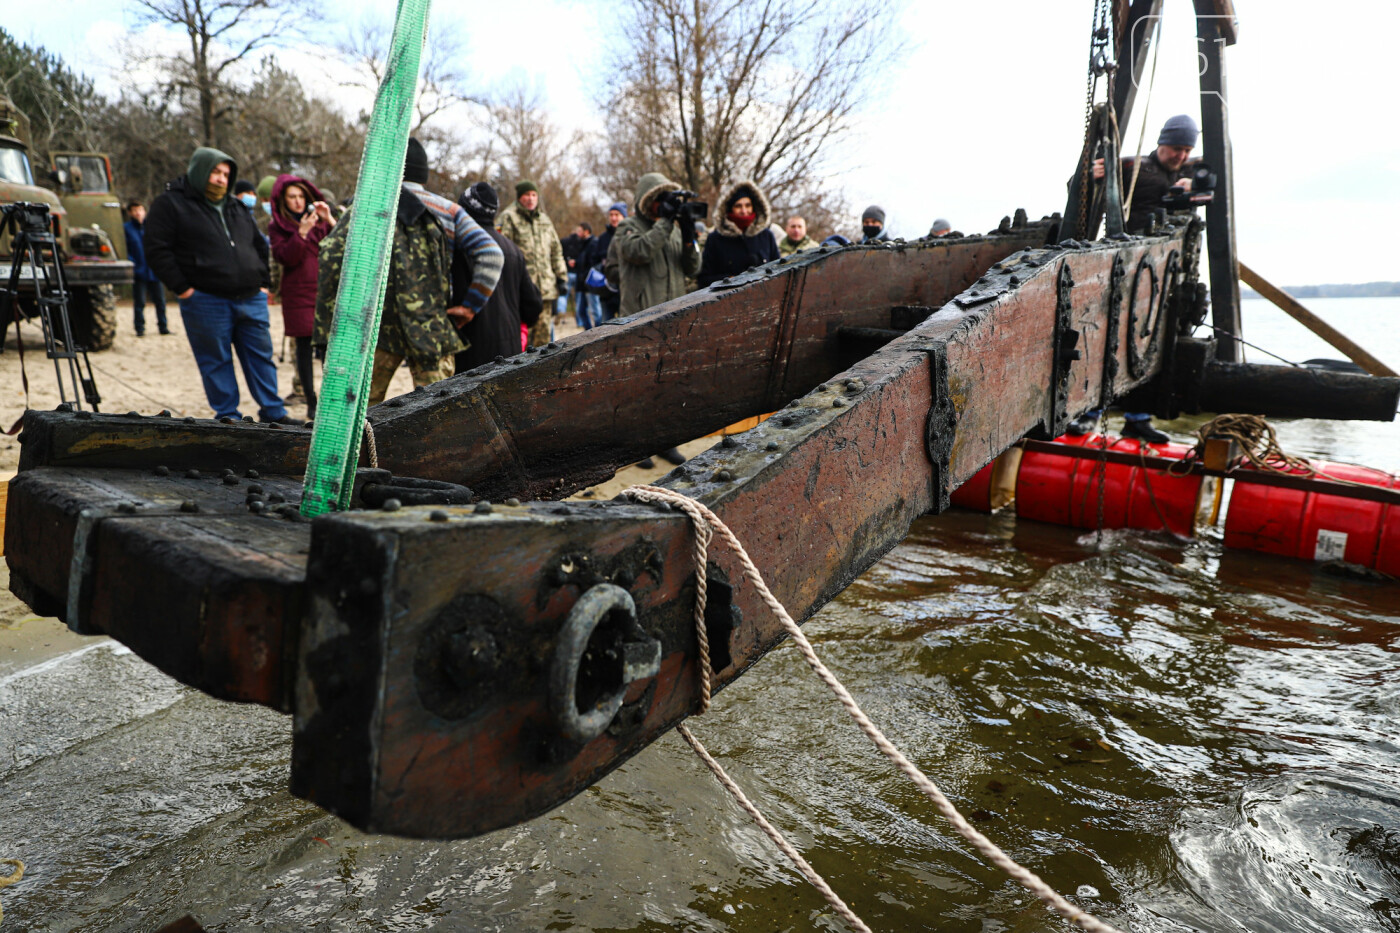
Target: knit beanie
[
  {"x": 524, "y": 185},
  {"x": 620, "y": 207},
  {"x": 1180, "y": 130},
  {"x": 481, "y": 202},
  {"x": 415, "y": 165},
  {"x": 874, "y": 212},
  {"x": 265, "y": 186},
  {"x": 243, "y": 186}
]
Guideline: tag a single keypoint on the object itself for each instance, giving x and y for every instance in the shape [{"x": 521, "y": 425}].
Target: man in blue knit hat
[{"x": 1160, "y": 171}]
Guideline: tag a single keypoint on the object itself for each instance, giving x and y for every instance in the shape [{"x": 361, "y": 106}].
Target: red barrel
[
  {"x": 1315, "y": 525},
  {"x": 991, "y": 487},
  {"x": 1064, "y": 490}
]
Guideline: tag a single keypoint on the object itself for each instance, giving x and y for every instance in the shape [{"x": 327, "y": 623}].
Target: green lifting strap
[{"x": 340, "y": 414}]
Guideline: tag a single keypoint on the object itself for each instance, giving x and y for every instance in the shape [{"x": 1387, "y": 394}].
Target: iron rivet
[
  {"x": 391, "y": 505},
  {"x": 499, "y": 359},
  {"x": 225, "y": 421},
  {"x": 728, "y": 441},
  {"x": 394, "y": 403},
  {"x": 724, "y": 476},
  {"x": 166, "y": 413},
  {"x": 443, "y": 393},
  {"x": 230, "y": 480},
  {"x": 276, "y": 497},
  {"x": 274, "y": 425},
  {"x": 255, "y": 490},
  {"x": 189, "y": 419},
  {"x": 483, "y": 508},
  {"x": 552, "y": 345},
  {"x": 624, "y": 578},
  {"x": 192, "y": 474},
  {"x": 251, "y": 474},
  {"x": 127, "y": 508},
  {"x": 437, "y": 515},
  {"x": 248, "y": 419},
  {"x": 226, "y": 472},
  {"x": 84, "y": 415},
  {"x": 512, "y": 502},
  {"x": 162, "y": 471},
  {"x": 838, "y": 403},
  {"x": 771, "y": 445},
  {"x": 256, "y": 506},
  {"x": 189, "y": 505},
  {"x": 133, "y": 414}
]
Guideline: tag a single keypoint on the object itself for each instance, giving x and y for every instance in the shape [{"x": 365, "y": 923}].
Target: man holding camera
[
  {"x": 1158, "y": 172},
  {"x": 654, "y": 250}
]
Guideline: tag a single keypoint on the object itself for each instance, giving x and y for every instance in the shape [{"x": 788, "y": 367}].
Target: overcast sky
[{"x": 985, "y": 112}]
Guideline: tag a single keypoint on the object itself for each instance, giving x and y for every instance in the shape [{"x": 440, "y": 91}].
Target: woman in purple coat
[{"x": 300, "y": 220}]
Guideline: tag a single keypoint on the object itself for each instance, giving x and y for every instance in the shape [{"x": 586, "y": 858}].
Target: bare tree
[
  {"x": 719, "y": 90},
  {"x": 221, "y": 34},
  {"x": 443, "y": 83}
]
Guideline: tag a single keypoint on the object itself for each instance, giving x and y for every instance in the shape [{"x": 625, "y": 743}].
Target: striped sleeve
[{"x": 486, "y": 257}]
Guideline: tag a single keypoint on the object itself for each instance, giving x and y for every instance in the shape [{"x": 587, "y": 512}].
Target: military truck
[{"x": 87, "y": 222}]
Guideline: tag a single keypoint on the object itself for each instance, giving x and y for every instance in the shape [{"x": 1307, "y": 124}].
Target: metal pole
[{"x": 1215, "y": 30}]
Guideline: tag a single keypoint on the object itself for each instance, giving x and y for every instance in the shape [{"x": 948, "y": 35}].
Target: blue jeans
[
  {"x": 561, "y": 304},
  {"x": 140, "y": 291},
  {"x": 586, "y": 309},
  {"x": 216, "y": 327}
]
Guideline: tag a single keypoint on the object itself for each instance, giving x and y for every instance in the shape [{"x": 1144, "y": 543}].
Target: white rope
[
  {"x": 373, "y": 450},
  {"x": 993, "y": 853}
]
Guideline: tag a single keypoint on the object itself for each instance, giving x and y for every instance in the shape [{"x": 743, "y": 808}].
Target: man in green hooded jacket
[
  {"x": 650, "y": 256},
  {"x": 207, "y": 250}
]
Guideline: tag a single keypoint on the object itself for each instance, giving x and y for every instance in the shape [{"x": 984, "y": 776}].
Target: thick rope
[
  {"x": 810, "y": 873},
  {"x": 11, "y": 878},
  {"x": 1258, "y": 444},
  {"x": 1024, "y": 876},
  {"x": 373, "y": 448}
]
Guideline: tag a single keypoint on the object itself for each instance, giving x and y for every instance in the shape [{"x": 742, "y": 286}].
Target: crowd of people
[{"x": 469, "y": 282}]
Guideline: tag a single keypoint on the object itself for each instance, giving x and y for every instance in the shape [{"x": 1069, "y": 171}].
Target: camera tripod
[{"x": 34, "y": 257}]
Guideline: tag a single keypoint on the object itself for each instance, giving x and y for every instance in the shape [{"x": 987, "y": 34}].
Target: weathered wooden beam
[
  {"x": 428, "y": 695},
  {"x": 1294, "y": 309},
  {"x": 1297, "y": 392}
]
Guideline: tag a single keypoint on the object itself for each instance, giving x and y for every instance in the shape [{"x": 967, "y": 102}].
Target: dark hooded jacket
[
  {"x": 1153, "y": 183},
  {"x": 298, "y": 257},
  {"x": 729, "y": 250},
  {"x": 496, "y": 330},
  {"x": 192, "y": 243}
]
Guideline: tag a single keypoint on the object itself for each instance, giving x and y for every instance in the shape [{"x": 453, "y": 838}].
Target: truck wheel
[{"x": 92, "y": 313}]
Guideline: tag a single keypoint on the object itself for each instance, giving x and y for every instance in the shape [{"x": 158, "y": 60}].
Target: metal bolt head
[
  {"x": 165, "y": 413},
  {"x": 437, "y": 515},
  {"x": 230, "y": 480},
  {"x": 838, "y": 403},
  {"x": 162, "y": 471},
  {"x": 275, "y": 497},
  {"x": 189, "y": 505},
  {"x": 83, "y": 415},
  {"x": 724, "y": 476},
  {"x": 127, "y": 508},
  {"x": 189, "y": 419},
  {"x": 251, "y": 474},
  {"x": 391, "y": 505},
  {"x": 192, "y": 473},
  {"x": 513, "y": 502},
  {"x": 255, "y": 489},
  {"x": 225, "y": 421},
  {"x": 256, "y": 506},
  {"x": 483, "y": 508},
  {"x": 133, "y": 414},
  {"x": 771, "y": 445}
]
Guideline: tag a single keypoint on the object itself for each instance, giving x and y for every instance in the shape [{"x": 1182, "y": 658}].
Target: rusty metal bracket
[
  {"x": 1137, "y": 356},
  {"x": 1111, "y": 330},
  {"x": 1064, "y": 352},
  {"x": 941, "y": 427}
]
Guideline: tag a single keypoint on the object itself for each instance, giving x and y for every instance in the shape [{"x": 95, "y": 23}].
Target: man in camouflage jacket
[
  {"x": 414, "y": 326},
  {"x": 526, "y": 225}
]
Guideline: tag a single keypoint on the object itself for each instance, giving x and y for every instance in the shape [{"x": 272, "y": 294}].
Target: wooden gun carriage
[{"x": 447, "y": 670}]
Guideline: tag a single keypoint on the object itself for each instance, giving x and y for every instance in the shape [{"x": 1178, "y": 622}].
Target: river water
[{"x": 1177, "y": 736}]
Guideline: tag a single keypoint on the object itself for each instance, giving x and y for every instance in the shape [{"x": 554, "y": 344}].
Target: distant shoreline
[{"x": 1362, "y": 290}]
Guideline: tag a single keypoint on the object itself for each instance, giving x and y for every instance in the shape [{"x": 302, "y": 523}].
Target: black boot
[
  {"x": 1084, "y": 424},
  {"x": 646, "y": 464},
  {"x": 1142, "y": 429},
  {"x": 673, "y": 456}
]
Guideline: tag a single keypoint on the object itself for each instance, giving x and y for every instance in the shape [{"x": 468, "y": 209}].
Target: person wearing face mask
[
  {"x": 206, "y": 249},
  {"x": 742, "y": 238},
  {"x": 872, "y": 225},
  {"x": 301, "y": 218}
]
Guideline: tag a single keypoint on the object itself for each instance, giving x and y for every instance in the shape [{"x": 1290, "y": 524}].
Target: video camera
[
  {"x": 28, "y": 216},
  {"x": 683, "y": 206},
  {"x": 1202, "y": 190}
]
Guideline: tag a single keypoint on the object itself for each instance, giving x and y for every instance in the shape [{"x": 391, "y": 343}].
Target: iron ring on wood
[{"x": 602, "y": 650}]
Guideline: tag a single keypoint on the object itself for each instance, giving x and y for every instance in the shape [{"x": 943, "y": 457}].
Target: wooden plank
[
  {"x": 426, "y": 688},
  {"x": 1294, "y": 309}
]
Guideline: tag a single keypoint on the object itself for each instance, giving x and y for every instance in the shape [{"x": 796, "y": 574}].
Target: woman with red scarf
[
  {"x": 300, "y": 220},
  {"x": 742, "y": 239}
]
